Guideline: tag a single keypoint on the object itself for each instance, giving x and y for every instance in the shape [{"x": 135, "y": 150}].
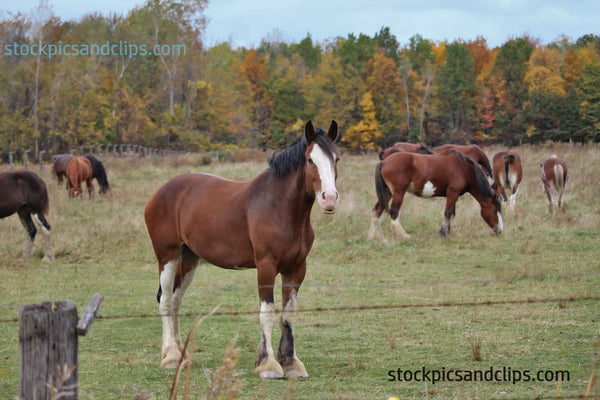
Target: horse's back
[
  {"x": 207, "y": 213},
  {"x": 22, "y": 188}
]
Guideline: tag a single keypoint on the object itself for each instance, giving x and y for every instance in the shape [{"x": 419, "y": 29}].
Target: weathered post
[
  {"x": 42, "y": 163},
  {"x": 48, "y": 348}
]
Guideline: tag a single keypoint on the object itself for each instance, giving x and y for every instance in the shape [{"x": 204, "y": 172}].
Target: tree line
[{"x": 217, "y": 98}]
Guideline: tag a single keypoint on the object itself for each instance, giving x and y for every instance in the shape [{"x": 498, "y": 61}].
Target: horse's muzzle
[{"x": 328, "y": 201}]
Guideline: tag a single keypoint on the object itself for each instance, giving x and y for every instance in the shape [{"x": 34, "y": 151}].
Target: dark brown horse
[
  {"x": 418, "y": 148},
  {"x": 554, "y": 179},
  {"x": 79, "y": 170},
  {"x": 473, "y": 151},
  {"x": 449, "y": 174},
  {"x": 262, "y": 224},
  {"x": 25, "y": 193},
  {"x": 59, "y": 167},
  {"x": 507, "y": 173},
  {"x": 98, "y": 173}
]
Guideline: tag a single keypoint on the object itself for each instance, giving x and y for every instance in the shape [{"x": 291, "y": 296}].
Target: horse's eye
[{"x": 310, "y": 161}]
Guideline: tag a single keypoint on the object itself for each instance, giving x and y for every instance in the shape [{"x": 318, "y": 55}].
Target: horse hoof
[
  {"x": 296, "y": 374},
  {"x": 270, "y": 375},
  {"x": 171, "y": 362}
]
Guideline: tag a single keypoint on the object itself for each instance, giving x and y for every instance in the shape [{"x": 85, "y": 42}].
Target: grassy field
[{"x": 366, "y": 309}]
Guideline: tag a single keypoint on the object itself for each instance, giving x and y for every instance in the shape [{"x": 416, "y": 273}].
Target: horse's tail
[
  {"x": 381, "y": 188},
  {"x": 559, "y": 175},
  {"x": 508, "y": 159}
]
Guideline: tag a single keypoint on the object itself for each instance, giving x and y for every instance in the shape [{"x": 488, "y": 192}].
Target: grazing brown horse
[
  {"x": 79, "y": 170},
  {"x": 473, "y": 151},
  {"x": 418, "y": 148},
  {"x": 262, "y": 224},
  {"x": 554, "y": 178},
  {"x": 449, "y": 174},
  {"x": 25, "y": 193},
  {"x": 59, "y": 167},
  {"x": 508, "y": 173}
]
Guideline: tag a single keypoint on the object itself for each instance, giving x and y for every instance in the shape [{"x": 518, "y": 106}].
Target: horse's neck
[{"x": 291, "y": 188}]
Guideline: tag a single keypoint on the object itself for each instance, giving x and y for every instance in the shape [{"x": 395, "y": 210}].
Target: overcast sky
[{"x": 247, "y": 22}]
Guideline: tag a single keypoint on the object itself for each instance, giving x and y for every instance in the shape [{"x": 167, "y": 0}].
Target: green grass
[{"x": 102, "y": 246}]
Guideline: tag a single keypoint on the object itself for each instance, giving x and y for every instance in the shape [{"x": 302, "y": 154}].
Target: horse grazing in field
[
  {"x": 507, "y": 173},
  {"x": 262, "y": 224},
  {"x": 473, "y": 151},
  {"x": 99, "y": 173},
  {"x": 59, "y": 167},
  {"x": 418, "y": 148},
  {"x": 25, "y": 193},
  {"x": 554, "y": 178},
  {"x": 79, "y": 170},
  {"x": 449, "y": 174}
]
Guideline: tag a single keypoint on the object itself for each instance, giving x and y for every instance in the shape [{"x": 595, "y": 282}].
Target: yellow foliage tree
[{"x": 363, "y": 135}]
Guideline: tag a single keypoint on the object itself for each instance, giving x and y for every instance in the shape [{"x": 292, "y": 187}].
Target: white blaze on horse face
[
  {"x": 328, "y": 197},
  {"x": 428, "y": 189}
]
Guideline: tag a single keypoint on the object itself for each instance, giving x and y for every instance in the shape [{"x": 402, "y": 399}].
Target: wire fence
[
  {"x": 131, "y": 393},
  {"x": 27, "y": 159}
]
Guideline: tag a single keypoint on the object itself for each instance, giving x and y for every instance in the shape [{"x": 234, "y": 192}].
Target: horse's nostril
[{"x": 323, "y": 195}]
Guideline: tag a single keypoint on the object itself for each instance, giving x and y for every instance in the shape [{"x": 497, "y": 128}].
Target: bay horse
[
  {"x": 418, "y": 148},
  {"x": 79, "y": 170},
  {"x": 473, "y": 151},
  {"x": 99, "y": 173},
  {"x": 59, "y": 167},
  {"x": 449, "y": 174},
  {"x": 262, "y": 224},
  {"x": 554, "y": 179},
  {"x": 508, "y": 173},
  {"x": 25, "y": 193}
]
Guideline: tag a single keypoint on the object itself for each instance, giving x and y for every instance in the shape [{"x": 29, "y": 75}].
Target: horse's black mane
[
  {"x": 98, "y": 171},
  {"x": 289, "y": 159},
  {"x": 483, "y": 186}
]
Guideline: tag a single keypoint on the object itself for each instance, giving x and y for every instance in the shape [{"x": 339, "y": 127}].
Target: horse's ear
[
  {"x": 309, "y": 132},
  {"x": 333, "y": 131}
]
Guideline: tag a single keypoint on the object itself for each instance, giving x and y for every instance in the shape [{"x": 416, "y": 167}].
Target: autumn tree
[
  {"x": 456, "y": 90},
  {"x": 364, "y": 135},
  {"x": 511, "y": 90}
]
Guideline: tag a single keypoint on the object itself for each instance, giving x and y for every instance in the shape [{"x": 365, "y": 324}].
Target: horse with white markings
[
  {"x": 263, "y": 224},
  {"x": 554, "y": 178},
  {"x": 508, "y": 173},
  {"x": 449, "y": 174}
]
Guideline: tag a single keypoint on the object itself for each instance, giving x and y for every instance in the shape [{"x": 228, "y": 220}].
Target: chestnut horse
[
  {"x": 25, "y": 193},
  {"x": 507, "y": 173},
  {"x": 79, "y": 170},
  {"x": 473, "y": 151},
  {"x": 554, "y": 178},
  {"x": 262, "y": 224},
  {"x": 419, "y": 148},
  {"x": 449, "y": 174}
]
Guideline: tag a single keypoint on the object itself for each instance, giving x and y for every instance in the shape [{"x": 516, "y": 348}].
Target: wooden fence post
[{"x": 48, "y": 348}]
